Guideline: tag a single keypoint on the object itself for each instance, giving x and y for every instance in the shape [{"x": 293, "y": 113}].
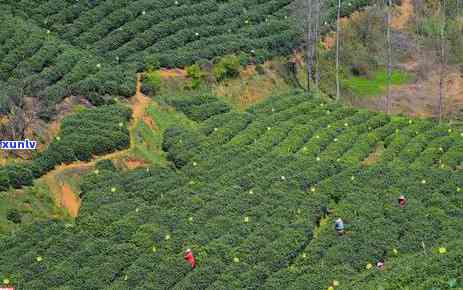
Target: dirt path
[
  {"x": 64, "y": 195},
  {"x": 63, "y": 192}
]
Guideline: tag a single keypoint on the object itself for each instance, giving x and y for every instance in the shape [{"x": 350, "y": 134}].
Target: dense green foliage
[
  {"x": 89, "y": 132},
  {"x": 227, "y": 67},
  {"x": 246, "y": 195},
  {"x": 34, "y": 62},
  {"x": 52, "y": 49},
  {"x": 198, "y": 108}
]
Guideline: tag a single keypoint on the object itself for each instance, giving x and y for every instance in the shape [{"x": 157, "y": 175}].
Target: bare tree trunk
[
  {"x": 309, "y": 44},
  {"x": 442, "y": 59},
  {"x": 458, "y": 7},
  {"x": 317, "y": 41},
  {"x": 338, "y": 29},
  {"x": 389, "y": 57}
]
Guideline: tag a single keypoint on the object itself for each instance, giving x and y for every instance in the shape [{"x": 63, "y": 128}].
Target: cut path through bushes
[{"x": 62, "y": 191}]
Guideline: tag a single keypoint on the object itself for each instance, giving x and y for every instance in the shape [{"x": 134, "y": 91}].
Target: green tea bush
[
  {"x": 196, "y": 75},
  {"x": 16, "y": 175},
  {"x": 199, "y": 108},
  {"x": 14, "y": 216},
  {"x": 152, "y": 82}
]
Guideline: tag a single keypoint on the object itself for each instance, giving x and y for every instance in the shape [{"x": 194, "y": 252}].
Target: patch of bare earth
[
  {"x": 173, "y": 73},
  {"x": 421, "y": 98},
  {"x": 70, "y": 200},
  {"x": 150, "y": 123},
  {"x": 135, "y": 163},
  {"x": 374, "y": 156},
  {"x": 64, "y": 195}
]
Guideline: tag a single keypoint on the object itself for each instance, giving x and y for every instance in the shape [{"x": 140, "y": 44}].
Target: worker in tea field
[
  {"x": 402, "y": 201},
  {"x": 380, "y": 264},
  {"x": 339, "y": 226},
  {"x": 325, "y": 211},
  {"x": 190, "y": 258}
]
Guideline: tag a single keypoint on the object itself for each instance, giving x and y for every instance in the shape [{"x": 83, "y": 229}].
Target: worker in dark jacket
[{"x": 325, "y": 211}]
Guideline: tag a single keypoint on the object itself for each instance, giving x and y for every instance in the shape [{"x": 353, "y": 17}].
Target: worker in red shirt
[
  {"x": 190, "y": 258},
  {"x": 402, "y": 201}
]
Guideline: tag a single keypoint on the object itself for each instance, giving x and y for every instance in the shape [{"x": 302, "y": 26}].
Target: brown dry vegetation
[
  {"x": 420, "y": 98},
  {"x": 251, "y": 87},
  {"x": 172, "y": 73},
  {"x": 403, "y": 14},
  {"x": 132, "y": 163}
]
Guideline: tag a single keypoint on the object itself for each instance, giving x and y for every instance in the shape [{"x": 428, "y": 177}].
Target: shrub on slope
[{"x": 198, "y": 108}]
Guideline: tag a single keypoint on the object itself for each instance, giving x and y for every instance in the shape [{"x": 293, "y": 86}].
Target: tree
[
  {"x": 442, "y": 56},
  {"x": 309, "y": 12},
  {"x": 317, "y": 41},
  {"x": 389, "y": 56},
  {"x": 310, "y": 43},
  {"x": 338, "y": 30}
]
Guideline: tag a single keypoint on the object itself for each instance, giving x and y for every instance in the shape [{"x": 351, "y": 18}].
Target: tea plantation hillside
[
  {"x": 53, "y": 48},
  {"x": 36, "y": 63},
  {"x": 246, "y": 192},
  {"x": 83, "y": 135}
]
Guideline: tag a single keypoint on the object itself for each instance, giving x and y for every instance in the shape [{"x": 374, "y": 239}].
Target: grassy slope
[
  {"x": 366, "y": 87},
  {"x": 33, "y": 203},
  {"x": 148, "y": 141}
]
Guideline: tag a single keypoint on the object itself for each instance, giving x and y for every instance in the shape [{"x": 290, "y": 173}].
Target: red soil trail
[{"x": 70, "y": 200}]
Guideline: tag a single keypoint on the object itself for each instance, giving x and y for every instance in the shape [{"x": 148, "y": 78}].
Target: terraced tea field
[{"x": 246, "y": 194}]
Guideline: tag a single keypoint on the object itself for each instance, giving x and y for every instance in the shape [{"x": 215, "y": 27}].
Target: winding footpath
[{"x": 62, "y": 191}]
